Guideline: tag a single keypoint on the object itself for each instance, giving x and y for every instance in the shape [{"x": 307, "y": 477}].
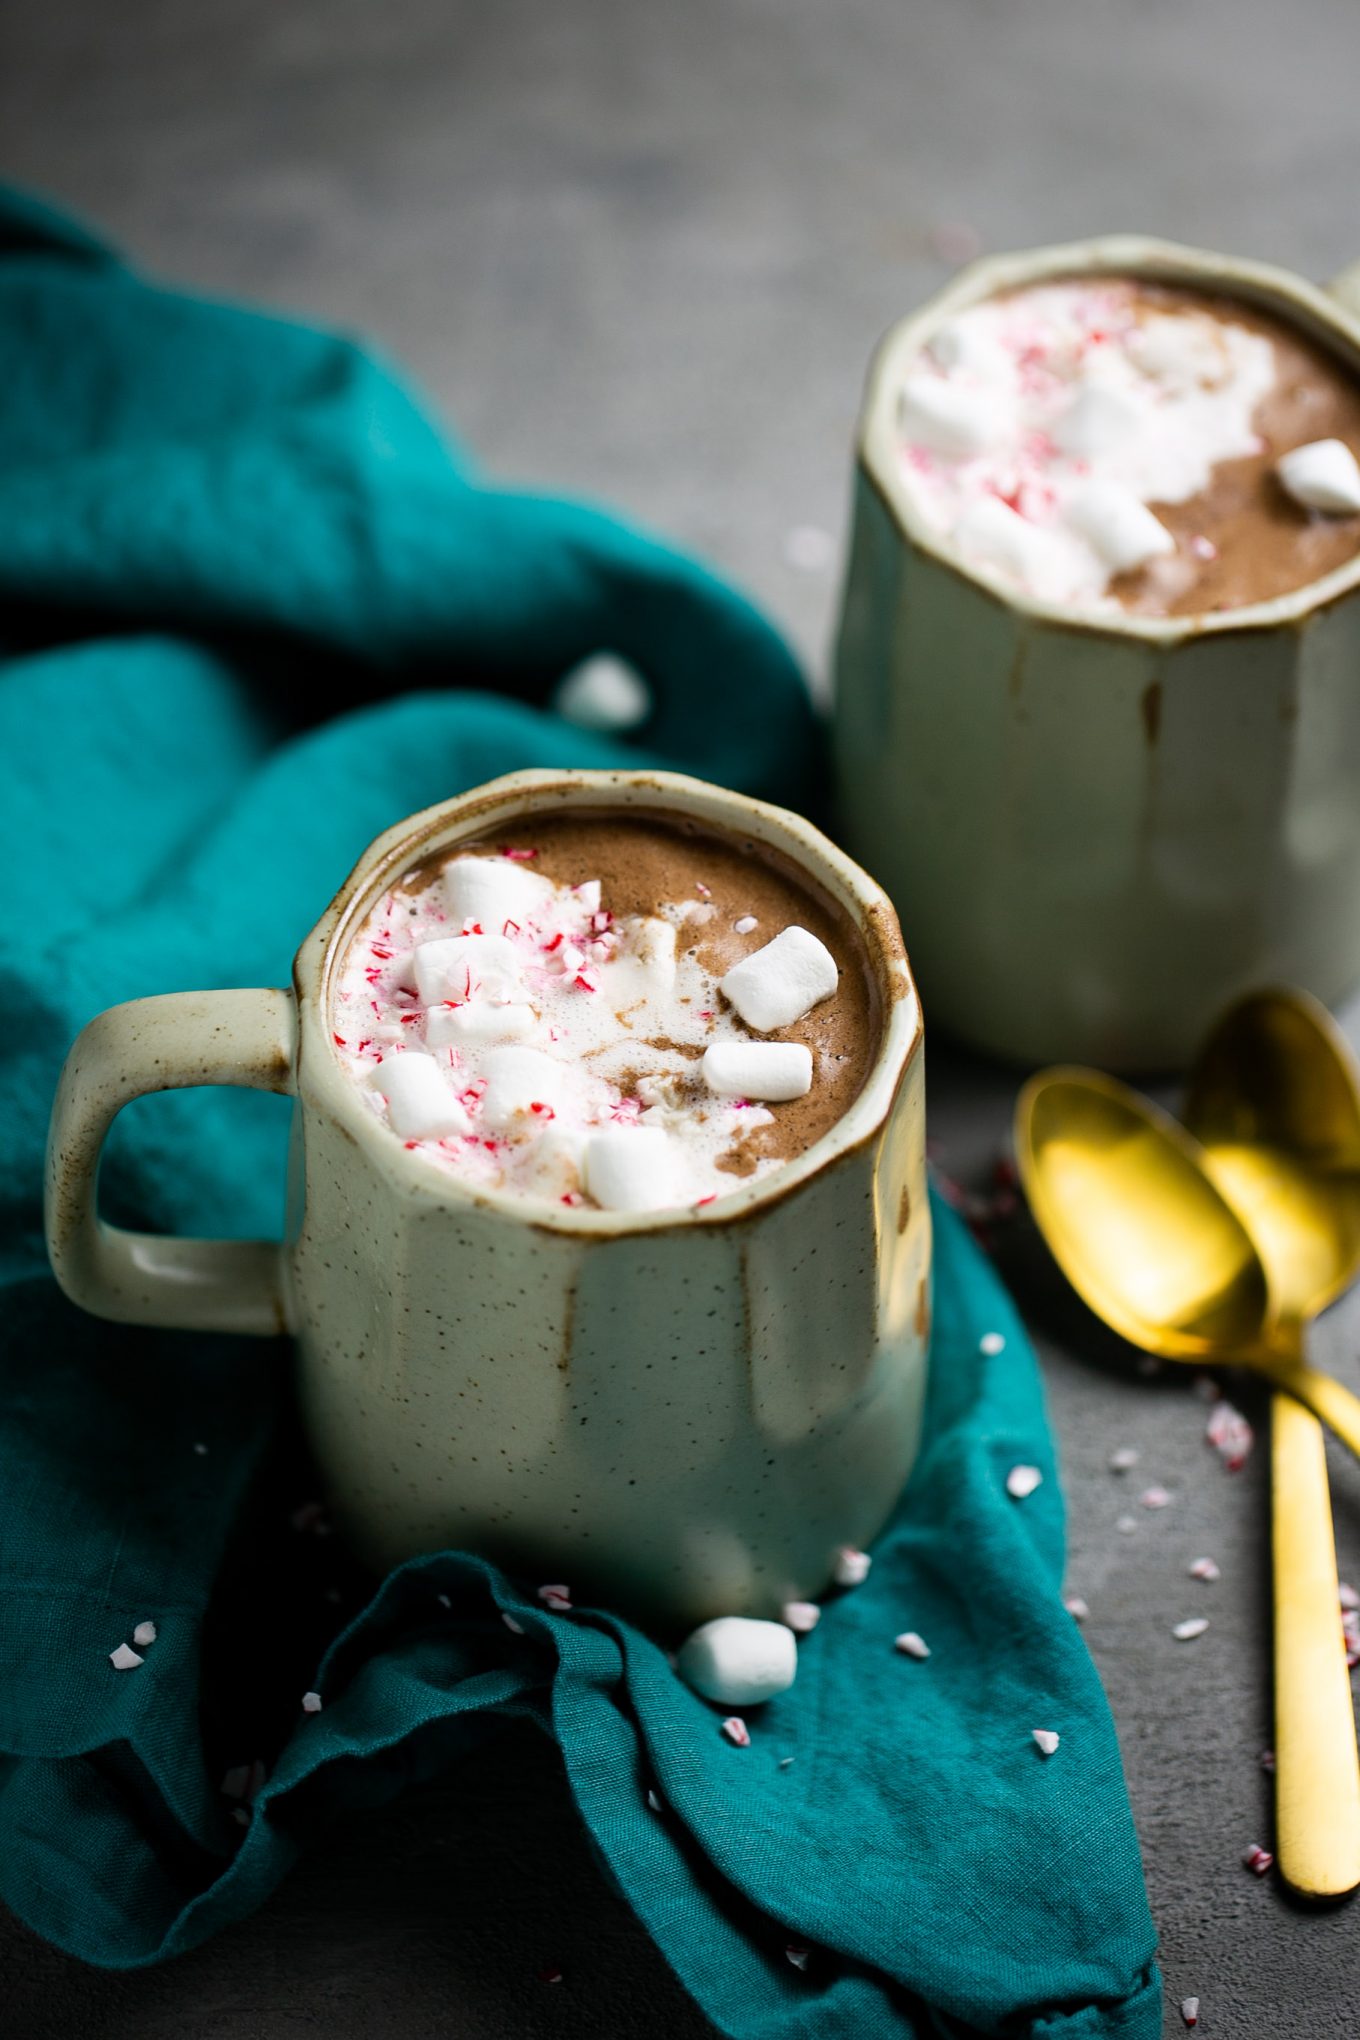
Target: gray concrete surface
[{"x": 642, "y": 253}]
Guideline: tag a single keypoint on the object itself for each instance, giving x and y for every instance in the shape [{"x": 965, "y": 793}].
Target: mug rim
[
  {"x": 1301, "y": 303},
  {"x": 322, "y": 1079}
]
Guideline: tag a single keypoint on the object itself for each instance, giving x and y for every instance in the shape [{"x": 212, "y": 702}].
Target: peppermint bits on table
[{"x": 736, "y": 1731}]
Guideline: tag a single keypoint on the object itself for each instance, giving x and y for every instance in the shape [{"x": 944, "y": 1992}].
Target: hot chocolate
[
  {"x": 1110, "y": 444},
  {"x": 614, "y": 1011}
]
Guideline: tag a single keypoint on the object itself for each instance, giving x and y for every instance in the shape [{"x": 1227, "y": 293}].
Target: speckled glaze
[
  {"x": 683, "y": 1415},
  {"x": 1098, "y": 833}
]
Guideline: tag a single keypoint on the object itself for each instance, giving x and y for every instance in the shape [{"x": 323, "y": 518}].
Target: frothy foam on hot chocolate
[
  {"x": 1038, "y": 427},
  {"x": 511, "y": 1029}
]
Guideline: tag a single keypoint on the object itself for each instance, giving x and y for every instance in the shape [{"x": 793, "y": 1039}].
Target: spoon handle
[
  {"x": 1321, "y": 1393},
  {"x": 1317, "y": 1772}
]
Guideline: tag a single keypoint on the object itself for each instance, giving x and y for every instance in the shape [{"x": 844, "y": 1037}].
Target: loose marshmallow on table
[
  {"x": 461, "y": 966},
  {"x": 1123, "y": 531},
  {"x": 631, "y": 1169},
  {"x": 774, "y": 1070},
  {"x": 1324, "y": 475},
  {"x": 421, "y": 1104},
  {"x": 492, "y": 890},
  {"x": 739, "y": 1662},
  {"x": 782, "y": 982}
]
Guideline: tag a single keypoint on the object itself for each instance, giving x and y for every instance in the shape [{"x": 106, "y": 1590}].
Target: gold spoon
[
  {"x": 1274, "y": 1101},
  {"x": 1123, "y": 1195}
]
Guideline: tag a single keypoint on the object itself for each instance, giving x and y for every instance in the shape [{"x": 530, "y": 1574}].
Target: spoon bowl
[{"x": 1121, "y": 1194}]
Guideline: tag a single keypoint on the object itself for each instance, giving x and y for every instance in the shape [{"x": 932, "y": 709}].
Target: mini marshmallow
[
  {"x": 464, "y": 966},
  {"x": 781, "y": 983},
  {"x": 801, "y": 1617},
  {"x": 852, "y": 1567},
  {"x": 311, "y": 1703},
  {"x": 1324, "y": 475},
  {"x": 775, "y": 1070},
  {"x": 1097, "y": 422},
  {"x": 420, "y": 1100},
  {"x": 994, "y": 535},
  {"x": 1186, "y": 1632},
  {"x": 446, "y": 1026},
  {"x": 124, "y": 1658},
  {"x": 144, "y": 1633},
  {"x": 947, "y": 418},
  {"x": 631, "y": 1169},
  {"x": 517, "y": 1079},
  {"x": 739, "y": 1662},
  {"x": 492, "y": 890},
  {"x": 1122, "y": 530},
  {"x": 960, "y": 344},
  {"x": 654, "y": 947}
]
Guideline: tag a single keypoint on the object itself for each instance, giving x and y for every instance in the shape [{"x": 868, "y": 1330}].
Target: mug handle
[{"x": 163, "y": 1044}]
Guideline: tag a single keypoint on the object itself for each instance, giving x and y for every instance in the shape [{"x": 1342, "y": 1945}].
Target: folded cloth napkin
[{"x": 248, "y": 596}]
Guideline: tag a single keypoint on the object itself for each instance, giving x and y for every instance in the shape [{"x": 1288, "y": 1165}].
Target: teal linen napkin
[{"x": 251, "y": 605}]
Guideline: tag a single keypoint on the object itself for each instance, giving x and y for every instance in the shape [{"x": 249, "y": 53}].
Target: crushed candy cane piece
[
  {"x": 736, "y": 1731},
  {"x": 549, "y": 1973},
  {"x": 1257, "y": 1860},
  {"x": 556, "y": 1597},
  {"x": 798, "y": 1955},
  {"x": 515, "y": 1628},
  {"x": 784, "y": 1763},
  {"x": 1123, "y": 1458},
  {"x": 1186, "y": 1632},
  {"x": 1154, "y": 1498},
  {"x": 1126, "y": 1525},
  {"x": 1076, "y": 1607},
  {"x": 911, "y": 1645},
  {"x": 1203, "y": 1569},
  {"x": 852, "y": 1567},
  {"x": 1230, "y": 1435},
  {"x": 240, "y": 1815},
  {"x": 992, "y": 1343},
  {"x": 1190, "y": 2011},
  {"x": 801, "y": 1617},
  {"x": 125, "y": 1658},
  {"x": 144, "y": 1633},
  {"x": 311, "y": 1703},
  {"x": 1347, "y": 1596},
  {"x": 654, "y": 1802},
  {"x": 1267, "y": 1760},
  {"x": 1047, "y": 1739},
  {"x": 1022, "y": 1481}
]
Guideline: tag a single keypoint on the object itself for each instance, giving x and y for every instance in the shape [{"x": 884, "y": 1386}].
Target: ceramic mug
[
  {"x": 685, "y": 1413},
  {"x": 1098, "y": 831}
]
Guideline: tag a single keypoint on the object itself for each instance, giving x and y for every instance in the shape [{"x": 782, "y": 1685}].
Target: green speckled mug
[
  {"x": 1098, "y": 831},
  {"x": 683, "y": 1414}
]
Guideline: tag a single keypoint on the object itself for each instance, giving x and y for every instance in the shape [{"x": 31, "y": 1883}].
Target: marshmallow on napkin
[
  {"x": 420, "y": 1101},
  {"x": 493, "y": 890},
  {"x": 773, "y": 1070},
  {"x": 776, "y": 985},
  {"x": 1324, "y": 475},
  {"x": 739, "y": 1662}
]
